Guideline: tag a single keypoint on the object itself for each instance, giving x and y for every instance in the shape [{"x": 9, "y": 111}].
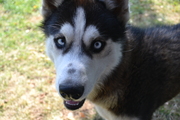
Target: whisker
[{"x": 129, "y": 50}]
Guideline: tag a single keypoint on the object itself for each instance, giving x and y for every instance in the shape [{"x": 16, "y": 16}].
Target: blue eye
[
  {"x": 60, "y": 42},
  {"x": 97, "y": 46}
]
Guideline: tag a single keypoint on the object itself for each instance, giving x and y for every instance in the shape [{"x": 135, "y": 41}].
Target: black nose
[{"x": 71, "y": 92}]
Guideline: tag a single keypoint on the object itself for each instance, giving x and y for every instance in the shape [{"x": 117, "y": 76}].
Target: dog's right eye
[
  {"x": 60, "y": 42},
  {"x": 97, "y": 46}
]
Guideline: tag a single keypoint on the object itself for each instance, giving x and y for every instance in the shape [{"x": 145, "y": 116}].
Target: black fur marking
[
  {"x": 105, "y": 21},
  {"x": 63, "y": 14},
  {"x": 86, "y": 50},
  {"x": 68, "y": 48}
]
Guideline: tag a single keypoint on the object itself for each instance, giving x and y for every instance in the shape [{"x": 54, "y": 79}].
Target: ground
[{"x": 27, "y": 75}]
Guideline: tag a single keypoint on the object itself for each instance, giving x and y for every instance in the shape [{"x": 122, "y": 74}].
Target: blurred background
[{"x": 27, "y": 75}]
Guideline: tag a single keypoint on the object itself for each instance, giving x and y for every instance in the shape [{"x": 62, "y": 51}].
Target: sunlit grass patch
[
  {"x": 154, "y": 12},
  {"x": 26, "y": 74},
  {"x": 21, "y": 6}
]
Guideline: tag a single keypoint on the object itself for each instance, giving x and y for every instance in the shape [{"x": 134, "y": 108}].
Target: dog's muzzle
[{"x": 72, "y": 87}]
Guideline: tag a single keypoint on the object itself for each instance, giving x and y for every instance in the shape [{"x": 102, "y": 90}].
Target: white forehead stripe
[
  {"x": 90, "y": 34},
  {"x": 79, "y": 23}
]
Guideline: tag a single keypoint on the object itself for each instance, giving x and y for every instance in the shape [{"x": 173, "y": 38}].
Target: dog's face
[{"x": 85, "y": 42}]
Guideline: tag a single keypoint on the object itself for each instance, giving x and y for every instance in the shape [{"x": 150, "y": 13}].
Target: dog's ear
[
  {"x": 120, "y": 8},
  {"x": 48, "y": 6}
]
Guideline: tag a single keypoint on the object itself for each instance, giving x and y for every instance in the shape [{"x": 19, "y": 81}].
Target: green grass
[
  {"x": 27, "y": 76},
  {"x": 154, "y": 12}
]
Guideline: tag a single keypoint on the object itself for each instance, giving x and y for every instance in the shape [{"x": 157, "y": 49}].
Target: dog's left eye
[
  {"x": 60, "y": 42},
  {"x": 97, "y": 46}
]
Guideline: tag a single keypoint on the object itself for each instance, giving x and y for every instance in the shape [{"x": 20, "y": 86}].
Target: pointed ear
[
  {"x": 120, "y": 8},
  {"x": 48, "y": 6}
]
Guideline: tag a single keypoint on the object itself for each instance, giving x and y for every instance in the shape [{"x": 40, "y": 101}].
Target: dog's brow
[
  {"x": 90, "y": 34},
  {"x": 67, "y": 31}
]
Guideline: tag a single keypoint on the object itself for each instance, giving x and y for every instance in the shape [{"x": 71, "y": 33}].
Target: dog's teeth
[{"x": 72, "y": 103}]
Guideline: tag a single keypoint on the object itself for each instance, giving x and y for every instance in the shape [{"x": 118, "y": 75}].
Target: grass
[
  {"x": 154, "y": 12},
  {"x": 27, "y": 76}
]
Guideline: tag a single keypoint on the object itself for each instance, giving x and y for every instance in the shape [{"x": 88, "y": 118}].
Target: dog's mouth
[{"x": 73, "y": 105}]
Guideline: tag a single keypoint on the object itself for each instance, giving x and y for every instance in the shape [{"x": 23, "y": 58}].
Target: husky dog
[{"x": 127, "y": 72}]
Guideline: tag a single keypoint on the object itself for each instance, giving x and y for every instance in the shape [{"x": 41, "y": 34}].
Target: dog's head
[{"x": 85, "y": 42}]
